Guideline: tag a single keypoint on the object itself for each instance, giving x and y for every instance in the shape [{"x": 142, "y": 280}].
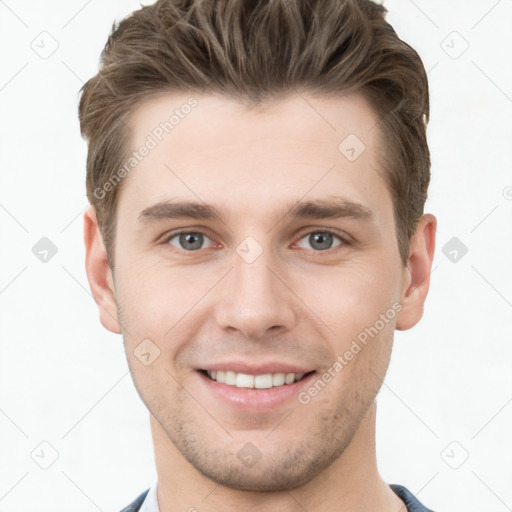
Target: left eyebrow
[{"x": 329, "y": 208}]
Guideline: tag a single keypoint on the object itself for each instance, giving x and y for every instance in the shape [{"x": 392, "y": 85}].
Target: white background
[{"x": 64, "y": 379}]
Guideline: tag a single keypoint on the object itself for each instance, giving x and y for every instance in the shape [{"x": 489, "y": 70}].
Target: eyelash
[{"x": 325, "y": 252}]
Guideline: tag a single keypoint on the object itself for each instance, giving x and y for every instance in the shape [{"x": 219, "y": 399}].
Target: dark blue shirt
[{"x": 413, "y": 505}]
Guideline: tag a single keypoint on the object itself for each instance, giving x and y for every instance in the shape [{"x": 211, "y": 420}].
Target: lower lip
[{"x": 250, "y": 399}]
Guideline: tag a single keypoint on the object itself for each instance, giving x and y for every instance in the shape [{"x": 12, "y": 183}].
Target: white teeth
[
  {"x": 289, "y": 378},
  {"x": 278, "y": 379},
  {"x": 244, "y": 381},
  {"x": 230, "y": 378},
  {"x": 264, "y": 381}
]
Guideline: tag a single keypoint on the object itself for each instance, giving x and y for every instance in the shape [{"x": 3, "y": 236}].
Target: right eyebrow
[{"x": 178, "y": 210}]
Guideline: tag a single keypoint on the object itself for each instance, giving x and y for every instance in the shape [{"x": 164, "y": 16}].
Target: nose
[{"x": 256, "y": 301}]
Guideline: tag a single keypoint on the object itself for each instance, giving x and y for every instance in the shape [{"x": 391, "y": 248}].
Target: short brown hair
[{"x": 253, "y": 50}]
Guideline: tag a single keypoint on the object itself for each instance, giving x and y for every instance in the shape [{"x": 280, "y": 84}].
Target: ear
[
  {"x": 416, "y": 274},
  {"x": 99, "y": 273}
]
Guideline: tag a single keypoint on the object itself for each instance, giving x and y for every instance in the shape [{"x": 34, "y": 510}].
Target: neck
[{"x": 351, "y": 482}]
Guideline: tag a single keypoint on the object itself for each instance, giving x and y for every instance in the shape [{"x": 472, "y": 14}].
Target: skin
[{"x": 294, "y": 303}]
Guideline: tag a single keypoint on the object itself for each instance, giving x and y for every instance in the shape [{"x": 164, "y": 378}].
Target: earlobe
[
  {"x": 99, "y": 273},
  {"x": 416, "y": 276}
]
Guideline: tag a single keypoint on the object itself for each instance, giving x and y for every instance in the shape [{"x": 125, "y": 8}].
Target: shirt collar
[{"x": 150, "y": 504}]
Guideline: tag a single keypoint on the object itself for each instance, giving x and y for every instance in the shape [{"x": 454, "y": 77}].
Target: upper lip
[{"x": 252, "y": 368}]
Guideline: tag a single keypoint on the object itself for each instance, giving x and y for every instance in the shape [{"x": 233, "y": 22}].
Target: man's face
[{"x": 259, "y": 290}]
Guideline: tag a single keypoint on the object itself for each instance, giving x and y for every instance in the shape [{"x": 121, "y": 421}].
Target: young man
[{"x": 257, "y": 172}]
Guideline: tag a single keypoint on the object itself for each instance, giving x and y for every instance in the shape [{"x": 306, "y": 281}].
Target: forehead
[
  {"x": 213, "y": 149},
  {"x": 215, "y": 118}
]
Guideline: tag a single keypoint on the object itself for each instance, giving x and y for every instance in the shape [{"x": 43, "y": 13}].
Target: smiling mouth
[{"x": 263, "y": 381}]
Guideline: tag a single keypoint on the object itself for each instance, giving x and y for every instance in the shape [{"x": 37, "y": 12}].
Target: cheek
[
  {"x": 352, "y": 299},
  {"x": 364, "y": 357},
  {"x": 158, "y": 311},
  {"x": 150, "y": 300}
]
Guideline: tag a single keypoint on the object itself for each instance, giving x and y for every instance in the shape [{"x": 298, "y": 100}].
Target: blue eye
[
  {"x": 193, "y": 241},
  {"x": 321, "y": 240},
  {"x": 188, "y": 240}
]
